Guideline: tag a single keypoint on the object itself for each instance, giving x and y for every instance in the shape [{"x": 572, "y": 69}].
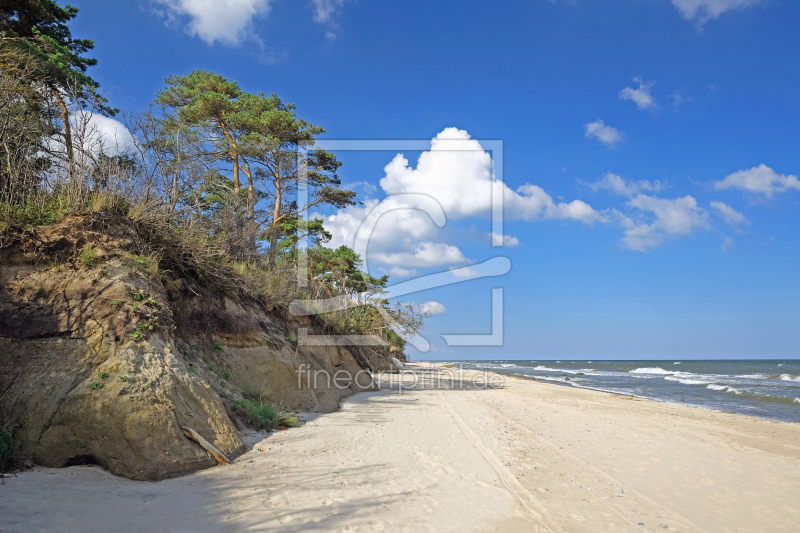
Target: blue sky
[{"x": 634, "y": 133}]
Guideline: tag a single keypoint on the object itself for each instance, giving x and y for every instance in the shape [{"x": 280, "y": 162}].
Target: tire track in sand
[
  {"x": 675, "y": 516},
  {"x": 520, "y": 494}
]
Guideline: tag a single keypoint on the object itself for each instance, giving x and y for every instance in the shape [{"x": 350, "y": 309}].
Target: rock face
[{"x": 100, "y": 363}]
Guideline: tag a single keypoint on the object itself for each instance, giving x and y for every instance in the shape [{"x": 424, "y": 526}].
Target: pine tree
[{"x": 40, "y": 28}]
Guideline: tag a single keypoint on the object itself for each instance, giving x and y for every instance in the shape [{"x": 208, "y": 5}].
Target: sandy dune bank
[{"x": 524, "y": 457}]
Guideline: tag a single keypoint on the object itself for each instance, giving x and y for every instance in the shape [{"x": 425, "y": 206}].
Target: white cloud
[
  {"x": 401, "y": 272},
  {"x": 425, "y": 254},
  {"x": 508, "y": 240},
  {"x": 760, "y": 180},
  {"x": 227, "y": 21},
  {"x": 326, "y": 10},
  {"x": 673, "y": 218},
  {"x": 727, "y": 244},
  {"x": 231, "y": 21},
  {"x": 365, "y": 185},
  {"x": 111, "y": 134},
  {"x": 95, "y": 134},
  {"x": 701, "y": 11},
  {"x": 678, "y": 99},
  {"x": 432, "y": 308},
  {"x": 641, "y": 96},
  {"x": 729, "y": 214},
  {"x": 619, "y": 185},
  {"x": 605, "y": 134},
  {"x": 464, "y": 272},
  {"x": 459, "y": 175}
]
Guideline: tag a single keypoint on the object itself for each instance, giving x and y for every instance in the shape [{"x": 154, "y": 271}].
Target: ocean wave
[
  {"x": 753, "y": 376},
  {"x": 562, "y": 370},
  {"x": 548, "y": 369},
  {"x": 686, "y": 381},
  {"x": 558, "y": 379},
  {"x": 651, "y": 370},
  {"x": 754, "y": 395},
  {"x": 726, "y": 388},
  {"x": 789, "y": 377},
  {"x": 675, "y": 363},
  {"x": 508, "y": 365}
]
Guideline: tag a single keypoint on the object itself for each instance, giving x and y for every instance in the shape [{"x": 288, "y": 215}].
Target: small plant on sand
[
  {"x": 97, "y": 386},
  {"x": 217, "y": 346},
  {"x": 136, "y": 335},
  {"x": 87, "y": 256},
  {"x": 8, "y": 451},
  {"x": 259, "y": 415},
  {"x": 256, "y": 394},
  {"x": 448, "y": 365},
  {"x": 146, "y": 264},
  {"x": 225, "y": 375},
  {"x": 102, "y": 375},
  {"x": 123, "y": 379}
]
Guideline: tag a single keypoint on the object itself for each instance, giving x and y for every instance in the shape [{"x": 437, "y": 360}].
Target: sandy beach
[{"x": 527, "y": 456}]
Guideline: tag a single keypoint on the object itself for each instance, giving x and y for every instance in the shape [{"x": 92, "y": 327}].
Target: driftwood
[{"x": 210, "y": 448}]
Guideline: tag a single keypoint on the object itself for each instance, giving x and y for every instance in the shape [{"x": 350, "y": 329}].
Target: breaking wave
[{"x": 651, "y": 370}]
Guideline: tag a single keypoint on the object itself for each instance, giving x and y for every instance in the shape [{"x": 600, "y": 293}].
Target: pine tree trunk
[
  {"x": 273, "y": 238},
  {"x": 236, "y": 176},
  {"x": 67, "y": 133},
  {"x": 273, "y": 245},
  {"x": 251, "y": 212}
]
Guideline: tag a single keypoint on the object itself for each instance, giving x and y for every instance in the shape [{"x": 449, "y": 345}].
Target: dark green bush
[
  {"x": 8, "y": 451},
  {"x": 260, "y": 415}
]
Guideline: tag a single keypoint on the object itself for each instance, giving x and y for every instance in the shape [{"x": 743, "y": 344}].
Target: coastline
[
  {"x": 697, "y": 402},
  {"x": 521, "y": 457}
]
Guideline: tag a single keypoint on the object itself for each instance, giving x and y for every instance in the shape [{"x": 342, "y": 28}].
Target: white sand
[{"x": 528, "y": 457}]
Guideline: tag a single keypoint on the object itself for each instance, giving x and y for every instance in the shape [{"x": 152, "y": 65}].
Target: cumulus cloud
[
  {"x": 673, "y": 218},
  {"x": 678, "y": 99},
  {"x": 326, "y": 10},
  {"x": 97, "y": 134},
  {"x": 508, "y": 240},
  {"x": 728, "y": 214},
  {"x": 227, "y": 21},
  {"x": 425, "y": 254},
  {"x": 110, "y": 134},
  {"x": 603, "y": 133},
  {"x": 459, "y": 175},
  {"x": 432, "y": 308},
  {"x": 727, "y": 244},
  {"x": 365, "y": 185},
  {"x": 231, "y": 21},
  {"x": 701, "y": 11},
  {"x": 758, "y": 181},
  {"x": 619, "y": 185},
  {"x": 641, "y": 96},
  {"x": 400, "y": 272}
]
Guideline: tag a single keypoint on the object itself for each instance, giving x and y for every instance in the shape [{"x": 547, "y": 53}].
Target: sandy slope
[{"x": 526, "y": 457}]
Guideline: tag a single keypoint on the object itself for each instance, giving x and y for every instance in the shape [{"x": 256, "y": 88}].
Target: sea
[{"x": 762, "y": 388}]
